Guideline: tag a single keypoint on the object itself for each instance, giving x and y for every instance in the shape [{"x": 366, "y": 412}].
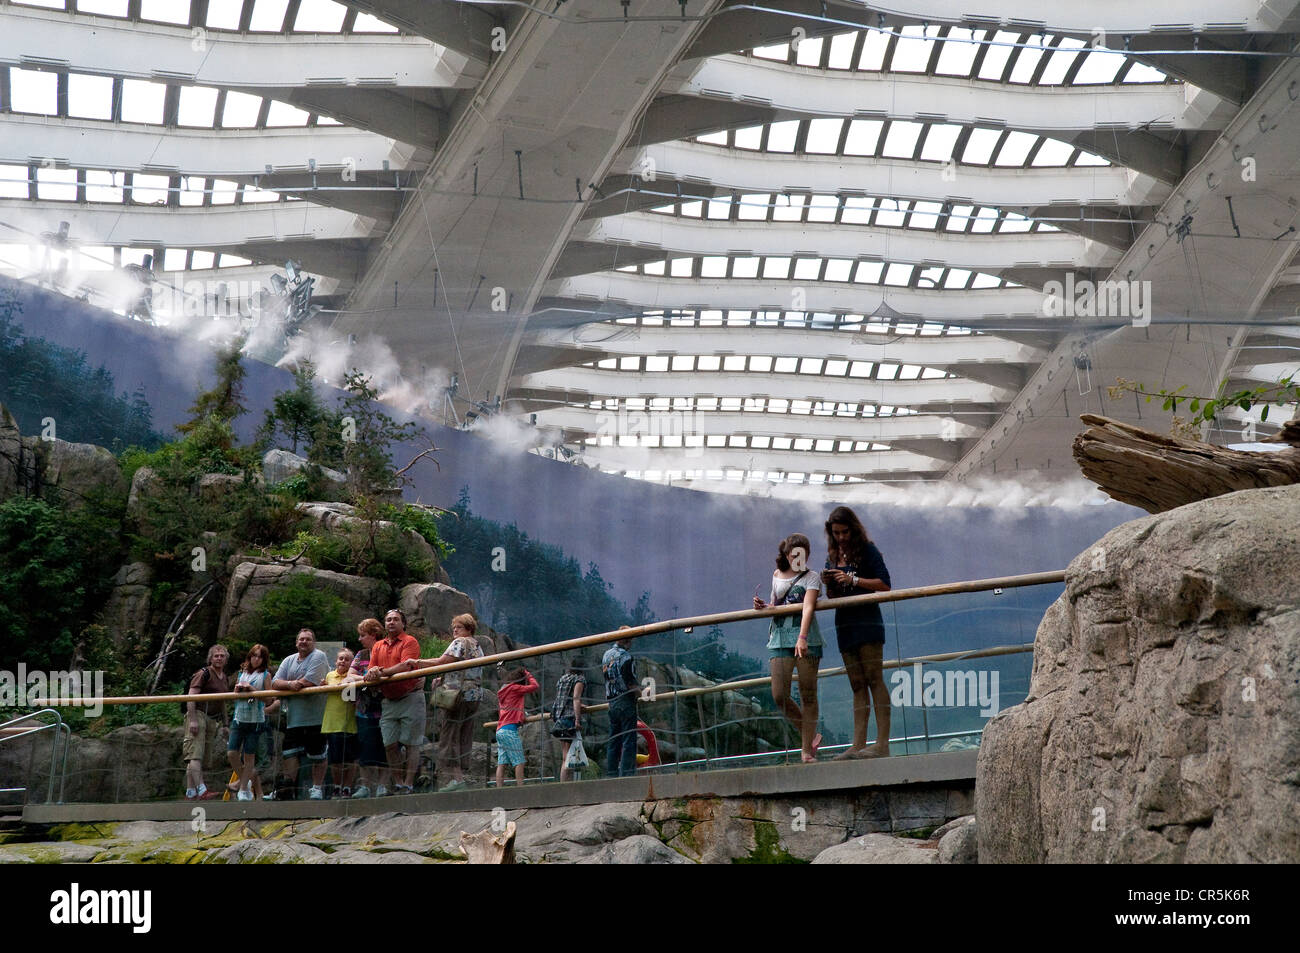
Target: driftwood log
[
  {"x": 1157, "y": 472},
  {"x": 489, "y": 846}
]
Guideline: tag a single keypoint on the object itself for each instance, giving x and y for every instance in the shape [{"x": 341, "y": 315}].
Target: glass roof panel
[
  {"x": 841, "y": 55},
  {"x": 809, "y": 52},
  {"x": 873, "y": 50},
  {"x": 241, "y": 110},
  {"x": 823, "y": 136},
  {"x": 268, "y": 16},
  {"x": 165, "y": 11},
  {"x": 996, "y": 55},
  {"x": 1015, "y": 148},
  {"x": 33, "y": 91},
  {"x": 1141, "y": 73},
  {"x": 863, "y": 136},
  {"x": 224, "y": 14},
  {"x": 319, "y": 16},
  {"x": 979, "y": 146},
  {"x": 367, "y": 23},
  {"x": 282, "y": 114},
  {"x": 90, "y": 97},
  {"x": 142, "y": 101},
  {"x": 1061, "y": 61},
  {"x": 111, "y": 8},
  {"x": 912, "y": 52},
  {"x": 957, "y": 53},
  {"x": 103, "y": 186},
  {"x": 1028, "y": 55},
  {"x": 939, "y": 141},
  {"x": 778, "y": 51},
  {"x": 198, "y": 106},
  {"x": 751, "y": 137},
  {"x": 900, "y": 142},
  {"x": 149, "y": 189},
  {"x": 781, "y": 136},
  {"x": 1052, "y": 154},
  {"x": 1098, "y": 67},
  {"x": 57, "y": 184}
]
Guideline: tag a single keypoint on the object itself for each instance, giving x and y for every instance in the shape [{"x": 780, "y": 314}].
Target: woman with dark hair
[
  {"x": 249, "y": 722},
  {"x": 566, "y": 710},
  {"x": 794, "y": 641},
  {"x": 854, "y": 566}
]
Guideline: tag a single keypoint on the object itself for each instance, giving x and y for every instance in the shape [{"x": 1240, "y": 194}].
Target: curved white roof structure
[{"x": 726, "y": 247}]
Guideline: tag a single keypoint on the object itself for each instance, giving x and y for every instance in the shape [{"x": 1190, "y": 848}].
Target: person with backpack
[
  {"x": 621, "y": 692},
  {"x": 794, "y": 641},
  {"x": 566, "y": 711},
  {"x": 204, "y": 722}
]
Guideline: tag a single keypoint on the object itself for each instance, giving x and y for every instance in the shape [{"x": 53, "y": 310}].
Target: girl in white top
[{"x": 794, "y": 641}]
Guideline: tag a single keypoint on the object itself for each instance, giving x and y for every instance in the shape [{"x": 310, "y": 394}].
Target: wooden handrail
[{"x": 600, "y": 638}]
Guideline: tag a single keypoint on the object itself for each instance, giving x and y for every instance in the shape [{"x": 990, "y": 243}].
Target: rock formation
[{"x": 1163, "y": 717}]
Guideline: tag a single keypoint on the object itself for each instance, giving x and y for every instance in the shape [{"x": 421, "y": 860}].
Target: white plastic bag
[{"x": 577, "y": 754}]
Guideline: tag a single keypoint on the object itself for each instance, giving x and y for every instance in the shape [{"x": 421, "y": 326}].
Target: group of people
[
  {"x": 368, "y": 738},
  {"x": 853, "y": 566}
]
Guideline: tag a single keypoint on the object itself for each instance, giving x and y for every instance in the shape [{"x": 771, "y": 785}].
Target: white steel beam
[
  {"x": 1112, "y": 16},
  {"x": 193, "y": 227},
  {"x": 587, "y": 383},
  {"x": 816, "y": 92},
  {"x": 171, "y": 54},
  {"x": 679, "y": 423},
  {"x": 595, "y": 341},
  {"x": 744, "y": 458},
  {"x": 131, "y": 147},
  {"x": 902, "y": 178},
  {"x": 648, "y": 230},
  {"x": 952, "y": 307}
]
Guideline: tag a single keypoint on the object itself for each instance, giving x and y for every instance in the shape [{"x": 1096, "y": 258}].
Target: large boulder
[
  {"x": 73, "y": 471},
  {"x": 430, "y": 607},
  {"x": 879, "y": 849},
  {"x": 144, "y": 484},
  {"x": 129, "y": 602},
  {"x": 1163, "y": 716},
  {"x": 363, "y": 597},
  {"x": 281, "y": 465},
  {"x": 17, "y": 462},
  {"x": 340, "y": 519}
]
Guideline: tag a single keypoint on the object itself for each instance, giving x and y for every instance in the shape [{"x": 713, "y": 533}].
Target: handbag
[
  {"x": 445, "y": 697},
  {"x": 577, "y": 753}
]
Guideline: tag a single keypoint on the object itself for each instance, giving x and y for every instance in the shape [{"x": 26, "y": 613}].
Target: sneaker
[
  {"x": 208, "y": 795},
  {"x": 268, "y": 796},
  {"x": 244, "y": 795},
  {"x": 316, "y": 794},
  {"x": 400, "y": 789},
  {"x": 191, "y": 794},
  {"x": 453, "y": 786},
  {"x": 381, "y": 791},
  {"x": 362, "y": 791}
]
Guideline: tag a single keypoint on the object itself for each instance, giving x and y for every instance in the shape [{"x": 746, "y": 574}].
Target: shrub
[{"x": 286, "y": 609}]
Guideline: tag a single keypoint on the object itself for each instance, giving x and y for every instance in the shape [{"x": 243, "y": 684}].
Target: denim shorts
[
  {"x": 244, "y": 736},
  {"x": 814, "y": 651}
]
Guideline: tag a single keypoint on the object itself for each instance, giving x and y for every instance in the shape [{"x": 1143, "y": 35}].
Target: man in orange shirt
[{"x": 403, "y": 716}]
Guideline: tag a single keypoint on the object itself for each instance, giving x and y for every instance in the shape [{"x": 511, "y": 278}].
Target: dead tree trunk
[{"x": 1157, "y": 472}]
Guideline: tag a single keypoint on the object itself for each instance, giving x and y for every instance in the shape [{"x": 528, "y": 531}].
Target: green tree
[
  {"x": 368, "y": 436},
  {"x": 224, "y": 400},
  {"x": 297, "y": 414}
]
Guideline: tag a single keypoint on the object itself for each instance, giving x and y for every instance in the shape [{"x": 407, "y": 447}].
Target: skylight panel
[
  {"x": 1141, "y": 73},
  {"x": 996, "y": 54},
  {"x": 102, "y": 186},
  {"x": 233, "y": 261},
  {"x": 1012, "y": 222},
  {"x": 711, "y": 362},
  {"x": 108, "y": 8},
  {"x": 751, "y": 137},
  {"x": 1014, "y": 148},
  {"x": 891, "y": 213},
  {"x": 95, "y": 258},
  {"x": 13, "y": 181},
  {"x": 899, "y": 275},
  {"x": 1067, "y": 51},
  {"x": 1088, "y": 158},
  {"x": 985, "y": 281},
  {"x": 733, "y": 362},
  {"x": 863, "y": 136},
  {"x": 753, "y": 207},
  {"x": 282, "y": 114},
  {"x": 979, "y": 146},
  {"x": 268, "y": 16},
  {"x": 366, "y": 23},
  {"x": 957, "y": 52},
  {"x": 720, "y": 208},
  {"x": 192, "y": 188},
  {"x": 1052, "y": 154},
  {"x": 713, "y": 266},
  {"x": 656, "y": 363},
  {"x": 654, "y": 267},
  {"x": 912, "y": 52},
  {"x": 873, "y": 49},
  {"x": 149, "y": 189},
  {"x": 57, "y": 184},
  {"x": 713, "y": 138},
  {"x": 939, "y": 142},
  {"x": 241, "y": 109},
  {"x": 327, "y": 121},
  {"x": 786, "y": 365},
  {"x": 50, "y": 4},
  {"x": 252, "y": 195},
  {"x": 809, "y": 52},
  {"x": 224, "y": 14},
  {"x": 886, "y": 372},
  {"x": 837, "y": 269},
  {"x": 174, "y": 259},
  {"x": 779, "y": 52},
  {"x": 32, "y": 91},
  {"x": 929, "y": 277},
  {"x": 165, "y": 11},
  {"x": 776, "y": 267},
  {"x": 811, "y": 365},
  {"x": 683, "y": 362},
  {"x": 223, "y": 192},
  {"x": 925, "y": 215},
  {"x": 681, "y": 267},
  {"x": 909, "y": 372},
  {"x": 841, "y": 56},
  {"x": 142, "y": 101},
  {"x": 788, "y": 208},
  {"x": 984, "y": 221},
  {"x": 958, "y": 218},
  {"x": 857, "y": 209},
  {"x": 781, "y": 136},
  {"x": 900, "y": 143},
  {"x": 822, "y": 208},
  {"x": 692, "y": 209},
  {"x": 90, "y": 97},
  {"x": 807, "y": 269},
  {"x": 319, "y": 16},
  {"x": 868, "y": 272},
  {"x": 824, "y": 136},
  {"x": 1098, "y": 67},
  {"x": 836, "y": 369},
  {"x": 744, "y": 267},
  {"x": 932, "y": 374},
  {"x": 1027, "y": 60}
]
